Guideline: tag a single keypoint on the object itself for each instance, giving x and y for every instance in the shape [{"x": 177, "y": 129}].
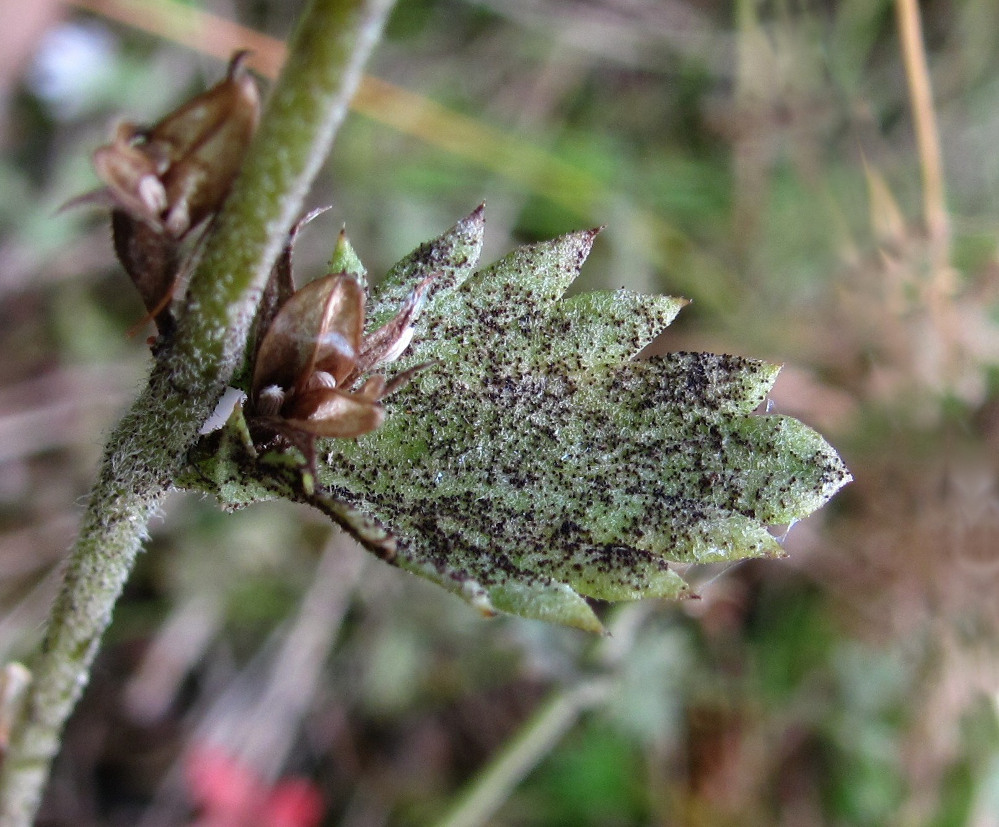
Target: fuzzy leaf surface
[{"x": 537, "y": 463}]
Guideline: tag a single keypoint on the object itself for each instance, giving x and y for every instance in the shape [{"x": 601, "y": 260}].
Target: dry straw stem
[
  {"x": 924, "y": 119},
  {"x": 148, "y": 447},
  {"x": 940, "y": 288}
]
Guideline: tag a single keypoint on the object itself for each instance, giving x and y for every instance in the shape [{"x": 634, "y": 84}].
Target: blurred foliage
[{"x": 757, "y": 157}]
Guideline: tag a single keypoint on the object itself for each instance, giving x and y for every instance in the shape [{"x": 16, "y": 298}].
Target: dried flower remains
[
  {"x": 307, "y": 378},
  {"x": 173, "y": 175},
  {"x": 163, "y": 181}
]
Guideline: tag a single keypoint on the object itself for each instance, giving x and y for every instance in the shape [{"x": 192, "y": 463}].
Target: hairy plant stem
[{"x": 148, "y": 448}]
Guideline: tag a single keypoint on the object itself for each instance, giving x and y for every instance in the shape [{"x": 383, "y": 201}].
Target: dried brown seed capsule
[
  {"x": 164, "y": 181},
  {"x": 314, "y": 351},
  {"x": 177, "y": 173}
]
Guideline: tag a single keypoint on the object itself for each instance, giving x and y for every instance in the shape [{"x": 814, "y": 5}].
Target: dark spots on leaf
[{"x": 542, "y": 454}]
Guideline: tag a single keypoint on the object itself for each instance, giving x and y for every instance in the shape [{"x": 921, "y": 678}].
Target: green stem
[
  {"x": 487, "y": 793},
  {"x": 148, "y": 448}
]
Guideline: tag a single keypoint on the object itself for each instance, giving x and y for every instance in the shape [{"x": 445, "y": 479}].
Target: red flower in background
[{"x": 228, "y": 793}]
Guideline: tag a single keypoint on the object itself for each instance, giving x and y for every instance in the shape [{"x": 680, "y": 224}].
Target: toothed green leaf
[{"x": 536, "y": 463}]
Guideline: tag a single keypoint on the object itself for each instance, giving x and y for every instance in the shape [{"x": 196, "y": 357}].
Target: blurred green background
[{"x": 759, "y": 158}]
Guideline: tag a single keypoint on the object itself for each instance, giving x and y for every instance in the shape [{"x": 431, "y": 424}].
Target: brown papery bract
[
  {"x": 175, "y": 174},
  {"x": 312, "y": 354}
]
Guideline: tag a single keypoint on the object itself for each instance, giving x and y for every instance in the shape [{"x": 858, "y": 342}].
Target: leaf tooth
[
  {"x": 532, "y": 277},
  {"x": 604, "y": 327},
  {"x": 452, "y": 256},
  {"x": 691, "y": 382},
  {"x": 524, "y": 593},
  {"x": 619, "y": 573},
  {"x": 794, "y": 471},
  {"x": 344, "y": 259},
  {"x": 729, "y": 537},
  {"x": 416, "y": 556},
  {"x": 681, "y": 529},
  {"x": 545, "y": 599}
]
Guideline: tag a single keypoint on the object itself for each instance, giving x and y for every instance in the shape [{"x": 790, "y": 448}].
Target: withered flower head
[
  {"x": 313, "y": 354},
  {"x": 165, "y": 180},
  {"x": 175, "y": 174}
]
